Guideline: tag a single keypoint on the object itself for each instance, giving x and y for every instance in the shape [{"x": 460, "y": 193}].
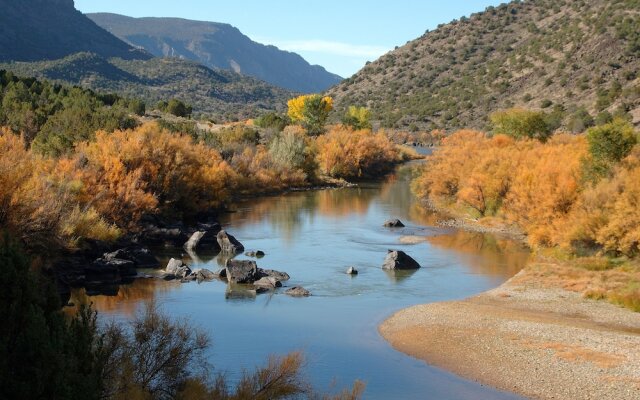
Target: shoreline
[{"x": 525, "y": 337}]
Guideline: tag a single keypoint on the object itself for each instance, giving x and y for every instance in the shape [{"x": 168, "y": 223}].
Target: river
[{"x": 315, "y": 236}]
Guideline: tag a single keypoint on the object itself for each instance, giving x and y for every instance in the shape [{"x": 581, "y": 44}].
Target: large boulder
[
  {"x": 177, "y": 268},
  {"x": 298, "y": 291},
  {"x": 241, "y": 271},
  {"x": 205, "y": 238},
  {"x": 228, "y": 243},
  {"x": 394, "y": 223},
  {"x": 140, "y": 256},
  {"x": 397, "y": 259}
]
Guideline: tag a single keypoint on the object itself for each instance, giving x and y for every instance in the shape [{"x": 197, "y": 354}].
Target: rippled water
[{"x": 315, "y": 236}]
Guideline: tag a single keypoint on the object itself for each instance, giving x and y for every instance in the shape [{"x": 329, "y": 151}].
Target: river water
[{"x": 315, "y": 236}]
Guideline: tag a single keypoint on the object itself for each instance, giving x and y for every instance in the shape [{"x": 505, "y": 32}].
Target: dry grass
[{"x": 596, "y": 278}]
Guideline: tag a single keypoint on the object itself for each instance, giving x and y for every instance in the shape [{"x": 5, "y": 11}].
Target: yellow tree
[{"x": 311, "y": 111}]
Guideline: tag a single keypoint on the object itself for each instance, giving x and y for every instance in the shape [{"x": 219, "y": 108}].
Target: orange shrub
[
  {"x": 607, "y": 213},
  {"x": 128, "y": 173},
  {"x": 345, "y": 153},
  {"x": 37, "y": 207}
]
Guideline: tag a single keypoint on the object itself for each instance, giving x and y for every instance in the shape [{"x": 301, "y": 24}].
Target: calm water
[{"x": 315, "y": 236}]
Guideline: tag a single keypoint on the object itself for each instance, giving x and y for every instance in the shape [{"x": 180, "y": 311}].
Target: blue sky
[{"x": 340, "y": 35}]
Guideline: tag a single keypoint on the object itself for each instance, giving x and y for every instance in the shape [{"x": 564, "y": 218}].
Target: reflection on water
[
  {"x": 314, "y": 236},
  {"x": 487, "y": 254},
  {"x": 127, "y": 297}
]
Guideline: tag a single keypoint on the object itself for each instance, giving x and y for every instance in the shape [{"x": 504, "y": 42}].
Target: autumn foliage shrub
[
  {"x": 538, "y": 187},
  {"x": 348, "y": 154},
  {"x": 40, "y": 209},
  {"x": 129, "y": 173}
]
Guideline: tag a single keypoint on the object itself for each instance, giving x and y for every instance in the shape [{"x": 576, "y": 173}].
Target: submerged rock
[
  {"x": 256, "y": 254},
  {"x": 394, "y": 223},
  {"x": 397, "y": 259},
  {"x": 298, "y": 291},
  {"x": 228, "y": 243}
]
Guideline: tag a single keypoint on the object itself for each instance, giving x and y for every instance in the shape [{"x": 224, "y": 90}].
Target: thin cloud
[{"x": 329, "y": 47}]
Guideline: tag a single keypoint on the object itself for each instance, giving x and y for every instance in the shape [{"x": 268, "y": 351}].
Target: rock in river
[
  {"x": 177, "y": 268},
  {"x": 352, "y": 271},
  {"x": 205, "y": 275},
  {"x": 205, "y": 238},
  {"x": 298, "y": 291},
  {"x": 393, "y": 223},
  {"x": 242, "y": 271},
  {"x": 397, "y": 259},
  {"x": 228, "y": 243},
  {"x": 268, "y": 283},
  {"x": 281, "y": 276},
  {"x": 255, "y": 254},
  {"x": 140, "y": 256}
]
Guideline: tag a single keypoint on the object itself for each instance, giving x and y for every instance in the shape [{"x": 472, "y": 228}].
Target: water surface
[{"x": 315, "y": 236}]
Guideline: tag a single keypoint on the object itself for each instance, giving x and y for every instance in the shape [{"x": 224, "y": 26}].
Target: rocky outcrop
[
  {"x": 228, "y": 243},
  {"x": 397, "y": 259},
  {"x": 393, "y": 223}
]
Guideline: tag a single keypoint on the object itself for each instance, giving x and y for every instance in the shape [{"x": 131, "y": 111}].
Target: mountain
[
  {"x": 578, "y": 58},
  {"x": 33, "y": 30},
  {"x": 218, "y": 45},
  {"x": 219, "y": 94}
]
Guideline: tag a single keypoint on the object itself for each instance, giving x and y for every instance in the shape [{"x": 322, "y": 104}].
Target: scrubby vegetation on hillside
[
  {"x": 577, "y": 60},
  {"x": 219, "y": 95}
]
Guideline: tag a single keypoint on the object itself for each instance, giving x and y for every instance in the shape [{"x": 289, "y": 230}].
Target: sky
[{"x": 340, "y": 35}]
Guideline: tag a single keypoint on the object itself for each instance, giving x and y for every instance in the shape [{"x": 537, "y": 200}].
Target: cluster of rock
[
  {"x": 243, "y": 276},
  {"x": 97, "y": 265}
]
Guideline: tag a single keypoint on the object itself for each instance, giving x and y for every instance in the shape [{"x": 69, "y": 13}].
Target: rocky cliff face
[{"x": 218, "y": 45}]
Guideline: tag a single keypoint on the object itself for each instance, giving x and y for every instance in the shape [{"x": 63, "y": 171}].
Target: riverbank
[{"x": 528, "y": 337}]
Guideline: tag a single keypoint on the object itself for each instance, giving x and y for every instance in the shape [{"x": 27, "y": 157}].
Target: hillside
[
  {"x": 32, "y": 30},
  {"x": 578, "y": 58},
  {"x": 218, "y": 45},
  {"x": 218, "y": 94}
]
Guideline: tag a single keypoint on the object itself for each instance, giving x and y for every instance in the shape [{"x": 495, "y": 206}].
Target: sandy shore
[{"x": 540, "y": 342}]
